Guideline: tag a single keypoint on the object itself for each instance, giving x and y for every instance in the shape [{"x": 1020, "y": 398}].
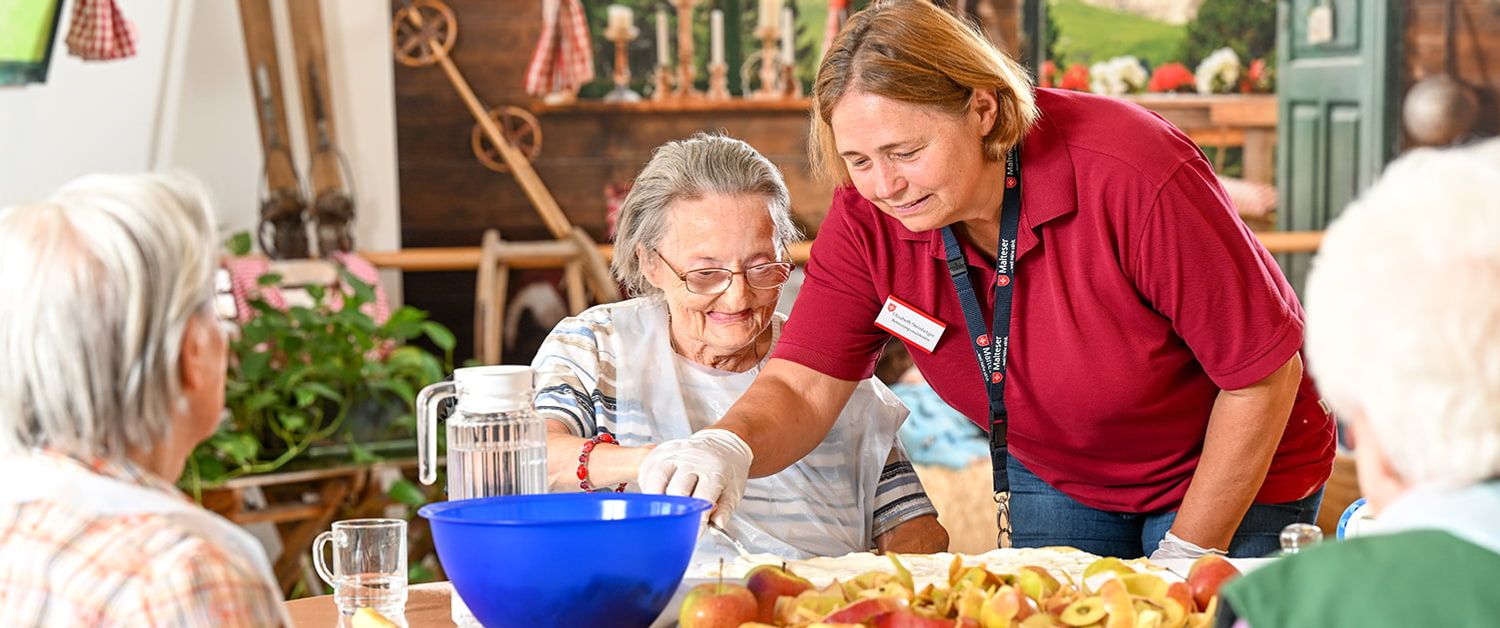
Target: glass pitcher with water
[{"x": 497, "y": 445}]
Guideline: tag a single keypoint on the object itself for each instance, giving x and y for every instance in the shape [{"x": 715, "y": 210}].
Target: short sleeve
[
  {"x": 1198, "y": 265},
  {"x": 900, "y": 497},
  {"x": 567, "y": 369},
  {"x": 832, "y": 327}
]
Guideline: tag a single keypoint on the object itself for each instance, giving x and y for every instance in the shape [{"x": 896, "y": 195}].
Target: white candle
[
  {"x": 621, "y": 18},
  {"x": 663, "y": 48},
  {"x": 769, "y": 11},
  {"x": 788, "y": 35},
  {"x": 716, "y": 36}
]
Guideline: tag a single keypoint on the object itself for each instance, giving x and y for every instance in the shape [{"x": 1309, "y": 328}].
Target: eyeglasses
[{"x": 711, "y": 281}]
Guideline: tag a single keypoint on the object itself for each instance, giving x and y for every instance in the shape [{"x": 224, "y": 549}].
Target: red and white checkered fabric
[
  {"x": 244, "y": 277},
  {"x": 99, "y": 32},
  {"x": 564, "y": 57}
]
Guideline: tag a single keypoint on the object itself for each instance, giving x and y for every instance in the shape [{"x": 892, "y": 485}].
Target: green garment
[{"x": 1416, "y": 578}]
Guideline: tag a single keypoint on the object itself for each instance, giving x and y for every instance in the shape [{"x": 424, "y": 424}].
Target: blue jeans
[{"x": 1042, "y": 516}]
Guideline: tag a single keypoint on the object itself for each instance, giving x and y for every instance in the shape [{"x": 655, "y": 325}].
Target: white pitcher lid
[{"x": 503, "y": 379}]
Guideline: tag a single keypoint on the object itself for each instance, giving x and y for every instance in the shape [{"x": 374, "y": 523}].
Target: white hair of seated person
[
  {"x": 690, "y": 169},
  {"x": 100, "y": 283},
  {"x": 1403, "y": 321}
]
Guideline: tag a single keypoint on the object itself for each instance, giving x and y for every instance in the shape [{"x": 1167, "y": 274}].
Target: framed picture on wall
[{"x": 27, "y": 30}]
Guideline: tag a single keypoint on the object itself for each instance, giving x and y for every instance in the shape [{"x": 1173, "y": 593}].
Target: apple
[
  {"x": 1083, "y": 612},
  {"x": 807, "y": 606},
  {"x": 717, "y": 605},
  {"x": 1146, "y": 585},
  {"x": 1037, "y": 583},
  {"x": 864, "y": 610},
  {"x": 1006, "y": 604},
  {"x": 1207, "y": 574},
  {"x": 768, "y": 582},
  {"x": 909, "y": 618},
  {"x": 1179, "y": 591},
  {"x": 1118, "y": 604}
]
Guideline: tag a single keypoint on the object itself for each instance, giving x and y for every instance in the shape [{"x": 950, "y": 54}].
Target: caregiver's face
[
  {"x": 717, "y": 231},
  {"x": 922, "y": 166}
]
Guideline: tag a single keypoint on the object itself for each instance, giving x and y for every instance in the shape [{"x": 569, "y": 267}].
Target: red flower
[
  {"x": 1170, "y": 77},
  {"x": 1259, "y": 78},
  {"x": 1076, "y": 78},
  {"x": 1048, "y": 74}
]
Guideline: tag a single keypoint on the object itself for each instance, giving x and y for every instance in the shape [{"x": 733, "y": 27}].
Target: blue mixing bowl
[{"x": 567, "y": 559}]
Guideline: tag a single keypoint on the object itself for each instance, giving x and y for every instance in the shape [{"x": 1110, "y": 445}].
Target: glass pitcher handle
[
  {"x": 323, "y": 538},
  {"x": 427, "y": 408}
]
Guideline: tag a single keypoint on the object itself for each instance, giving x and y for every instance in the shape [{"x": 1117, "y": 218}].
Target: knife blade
[{"x": 738, "y": 547}]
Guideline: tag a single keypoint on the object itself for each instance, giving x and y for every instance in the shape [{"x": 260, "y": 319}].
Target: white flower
[
  {"x": 1120, "y": 75},
  {"x": 1219, "y": 72}
]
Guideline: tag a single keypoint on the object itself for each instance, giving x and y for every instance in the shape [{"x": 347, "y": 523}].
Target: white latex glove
[
  {"x": 713, "y": 464},
  {"x": 1173, "y": 546}
]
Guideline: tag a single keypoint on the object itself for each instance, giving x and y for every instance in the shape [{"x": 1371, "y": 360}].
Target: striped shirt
[
  {"x": 60, "y": 567},
  {"x": 611, "y": 368}
]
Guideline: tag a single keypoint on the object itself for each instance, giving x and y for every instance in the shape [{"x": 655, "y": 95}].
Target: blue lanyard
[{"x": 992, "y": 348}]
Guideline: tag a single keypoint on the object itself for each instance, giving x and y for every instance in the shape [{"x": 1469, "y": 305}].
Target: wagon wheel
[
  {"x": 420, "y": 29},
  {"x": 519, "y": 128}
]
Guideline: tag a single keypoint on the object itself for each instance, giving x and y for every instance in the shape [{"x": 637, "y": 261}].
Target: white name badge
[{"x": 908, "y": 323}]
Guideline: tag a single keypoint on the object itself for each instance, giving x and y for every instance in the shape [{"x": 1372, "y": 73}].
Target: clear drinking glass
[{"x": 369, "y": 565}]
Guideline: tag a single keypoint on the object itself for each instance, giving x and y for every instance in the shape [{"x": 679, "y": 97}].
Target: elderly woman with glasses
[
  {"x": 702, "y": 246},
  {"x": 111, "y": 371}
]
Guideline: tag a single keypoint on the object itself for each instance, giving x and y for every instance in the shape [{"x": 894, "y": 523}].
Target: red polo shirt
[{"x": 1138, "y": 296}]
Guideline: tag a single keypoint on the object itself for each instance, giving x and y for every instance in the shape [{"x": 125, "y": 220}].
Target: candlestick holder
[
  {"x": 622, "y": 38},
  {"x": 687, "y": 73},
  {"x": 718, "y": 81},
  {"x": 662, "y": 79},
  {"x": 770, "y": 65},
  {"x": 790, "y": 86}
]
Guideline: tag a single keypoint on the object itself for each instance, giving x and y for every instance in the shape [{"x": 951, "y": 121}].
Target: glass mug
[{"x": 369, "y": 565}]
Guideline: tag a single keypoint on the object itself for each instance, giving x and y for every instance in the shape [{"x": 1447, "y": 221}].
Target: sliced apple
[
  {"x": 864, "y": 610},
  {"x": 1083, "y": 612},
  {"x": 1146, "y": 585},
  {"x": 1118, "y": 604}
]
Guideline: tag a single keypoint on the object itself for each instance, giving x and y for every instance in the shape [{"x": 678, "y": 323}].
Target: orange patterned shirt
[{"x": 59, "y": 566}]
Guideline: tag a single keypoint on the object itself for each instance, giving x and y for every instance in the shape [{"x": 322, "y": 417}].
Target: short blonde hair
[
  {"x": 1403, "y": 314},
  {"x": 688, "y": 170},
  {"x": 914, "y": 52},
  {"x": 100, "y": 281}
]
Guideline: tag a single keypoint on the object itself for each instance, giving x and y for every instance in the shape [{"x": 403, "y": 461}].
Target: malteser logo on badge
[
  {"x": 982, "y": 340},
  {"x": 890, "y": 307}
]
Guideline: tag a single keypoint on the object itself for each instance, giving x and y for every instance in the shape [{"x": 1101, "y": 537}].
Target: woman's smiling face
[
  {"x": 715, "y": 231},
  {"x": 921, "y": 166}
]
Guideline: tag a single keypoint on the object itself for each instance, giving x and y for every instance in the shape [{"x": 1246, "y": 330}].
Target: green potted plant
[{"x": 325, "y": 376}]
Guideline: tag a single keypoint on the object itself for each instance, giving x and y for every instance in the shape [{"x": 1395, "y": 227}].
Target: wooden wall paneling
[{"x": 448, "y": 198}]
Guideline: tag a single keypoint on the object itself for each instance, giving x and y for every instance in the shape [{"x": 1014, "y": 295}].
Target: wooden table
[
  {"x": 430, "y": 606},
  {"x": 427, "y": 605}
]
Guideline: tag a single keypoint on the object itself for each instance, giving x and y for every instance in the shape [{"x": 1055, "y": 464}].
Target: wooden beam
[{"x": 548, "y": 254}]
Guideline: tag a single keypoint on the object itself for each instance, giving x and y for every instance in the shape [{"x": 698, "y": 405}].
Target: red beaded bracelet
[{"x": 583, "y": 461}]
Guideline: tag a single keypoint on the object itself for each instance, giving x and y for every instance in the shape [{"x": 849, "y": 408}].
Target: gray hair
[
  {"x": 690, "y": 169},
  {"x": 100, "y": 281},
  {"x": 1403, "y": 314}
]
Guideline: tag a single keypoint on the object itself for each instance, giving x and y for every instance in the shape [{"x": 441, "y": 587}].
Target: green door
[{"x": 1337, "y": 123}]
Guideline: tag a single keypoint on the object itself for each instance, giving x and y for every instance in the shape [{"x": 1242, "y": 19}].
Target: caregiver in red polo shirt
[{"x": 1068, "y": 274}]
